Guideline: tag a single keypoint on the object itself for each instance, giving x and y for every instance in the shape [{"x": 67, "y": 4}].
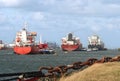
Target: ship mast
[
  {"x": 25, "y": 25},
  {"x": 40, "y": 41}
]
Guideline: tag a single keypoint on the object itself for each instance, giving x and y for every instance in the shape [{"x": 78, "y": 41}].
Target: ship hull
[
  {"x": 99, "y": 47},
  {"x": 25, "y": 50},
  {"x": 70, "y": 47}
]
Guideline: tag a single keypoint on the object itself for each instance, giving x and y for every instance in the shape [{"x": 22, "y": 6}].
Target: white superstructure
[
  {"x": 95, "y": 42},
  {"x": 70, "y": 40},
  {"x": 24, "y": 37}
]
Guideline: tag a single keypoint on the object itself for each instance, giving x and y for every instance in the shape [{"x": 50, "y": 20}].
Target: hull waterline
[
  {"x": 22, "y": 50},
  {"x": 70, "y": 47}
]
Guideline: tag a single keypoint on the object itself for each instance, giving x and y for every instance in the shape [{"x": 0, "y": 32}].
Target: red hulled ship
[
  {"x": 25, "y": 43},
  {"x": 71, "y": 43}
]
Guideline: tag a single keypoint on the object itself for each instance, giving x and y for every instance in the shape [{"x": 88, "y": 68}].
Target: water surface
[{"x": 10, "y": 62}]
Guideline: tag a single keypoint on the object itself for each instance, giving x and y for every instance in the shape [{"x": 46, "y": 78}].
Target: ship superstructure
[
  {"x": 25, "y": 38},
  {"x": 95, "y": 43}
]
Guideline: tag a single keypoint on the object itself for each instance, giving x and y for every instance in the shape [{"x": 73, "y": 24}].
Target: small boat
[{"x": 71, "y": 43}]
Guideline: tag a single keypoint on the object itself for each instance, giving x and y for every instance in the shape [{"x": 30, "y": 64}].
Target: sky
[{"x": 54, "y": 19}]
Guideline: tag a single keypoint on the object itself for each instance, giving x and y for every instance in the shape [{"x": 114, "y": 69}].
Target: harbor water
[{"x": 10, "y": 62}]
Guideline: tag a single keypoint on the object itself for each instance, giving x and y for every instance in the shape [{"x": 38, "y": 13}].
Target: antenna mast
[
  {"x": 25, "y": 25},
  {"x": 40, "y": 39}
]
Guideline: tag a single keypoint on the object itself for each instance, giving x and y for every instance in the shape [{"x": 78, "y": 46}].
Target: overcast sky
[{"x": 53, "y": 19}]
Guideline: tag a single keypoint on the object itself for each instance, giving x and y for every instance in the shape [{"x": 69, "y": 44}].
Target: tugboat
[
  {"x": 95, "y": 43},
  {"x": 44, "y": 48},
  {"x": 71, "y": 43}
]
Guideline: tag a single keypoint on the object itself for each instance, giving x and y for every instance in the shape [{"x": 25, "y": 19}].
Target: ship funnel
[{"x": 70, "y": 37}]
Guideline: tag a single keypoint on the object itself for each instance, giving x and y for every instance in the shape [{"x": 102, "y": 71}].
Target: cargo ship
[
  {"x": 95, "y": 43},
  {"x": 71, "y": 43},
  {"x": 25, "y": 43}
]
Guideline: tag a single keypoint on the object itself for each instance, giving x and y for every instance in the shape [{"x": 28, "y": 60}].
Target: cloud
[
  {"x": 82, "y": 7},
  {"x": 95, "y": 28},
  {"x": 79, "y": 7},
  {"x": 9, "y": 3},
  {"x": 37, "y": 16},
  {"x": 58, "y": 17},
  {"x": 48, "y": 2},
  {"x": 2, "y": 18},
  {"x": 6, "y": 28},
  {"x": 111, "y": 1}
]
